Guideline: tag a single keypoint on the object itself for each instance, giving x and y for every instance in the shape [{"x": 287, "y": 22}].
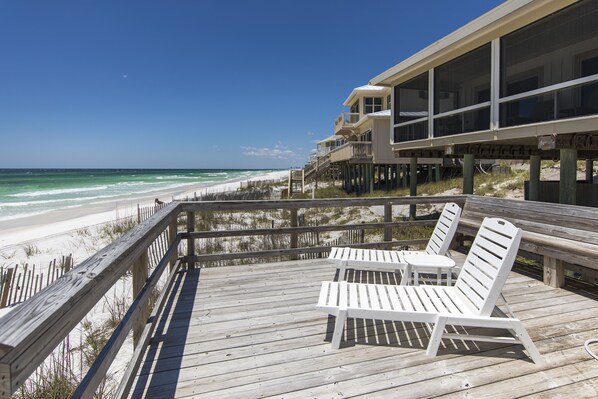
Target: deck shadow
[
  {"x": 412, "y": 335},
  {"x": 166, "y": 382}
]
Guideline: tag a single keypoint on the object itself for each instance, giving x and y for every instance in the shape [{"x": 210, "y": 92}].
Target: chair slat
[
  {"x": 424, "y": 296},
  {"x": 333, "y": 294},
  {"x": 353, "y": 297},
  {"x": 394, "y": 298},
  {"x": 323, "y": 299},
  {"x": 364, "y": 302},
  {"x": 450, "y": 302},
  {"x": 417, "y": 303},
  {"x": 373, "y": 296},
  {"x": 384, "y": 297},
  {"x": 407, "y": 305}
]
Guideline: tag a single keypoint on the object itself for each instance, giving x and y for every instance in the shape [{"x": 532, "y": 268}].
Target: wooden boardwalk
[{"x": 252, "y": 331}]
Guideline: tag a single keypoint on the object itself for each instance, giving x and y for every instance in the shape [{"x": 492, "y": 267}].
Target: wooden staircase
[{"x": 318, "y": 168}]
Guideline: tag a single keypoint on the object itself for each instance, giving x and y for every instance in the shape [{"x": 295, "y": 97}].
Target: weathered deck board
[{"x": 252, "y": 331}]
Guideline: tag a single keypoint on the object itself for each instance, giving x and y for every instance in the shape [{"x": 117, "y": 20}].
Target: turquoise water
[{"x": 27, "y": 192}]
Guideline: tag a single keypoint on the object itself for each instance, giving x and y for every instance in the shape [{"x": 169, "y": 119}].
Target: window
[
  {"x": 460, "y": 83},
  {"x": 560, "y": 48},
  {"x": 372, "y": 104},
  {"x": 411, "y": 99},
  {"x": 388, "y": 102},
  {"x": 367, "y": 136},
  {"x": 354, "y": 117},
  {"x": 411, "y": 109},
  {"x": 463, "y": 82}
]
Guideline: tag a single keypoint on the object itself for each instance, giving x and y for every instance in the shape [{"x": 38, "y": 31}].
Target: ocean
[{"x": 29, "y": 192}]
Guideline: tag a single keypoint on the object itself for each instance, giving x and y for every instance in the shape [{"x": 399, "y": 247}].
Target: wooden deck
[{"x": 252, "y": 331}]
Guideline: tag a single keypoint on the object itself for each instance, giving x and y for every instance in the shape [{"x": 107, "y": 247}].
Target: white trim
[
  {"x": 430, "y": 103},
  {"x": 494, "y": 84},
  {"x": 392, "y": 115},
  {"x": 579, "y": 124},
  {"x": 425, "y": 118},
  {"x": 462, "y": 110},
  {"x": 549, "y": 89}
]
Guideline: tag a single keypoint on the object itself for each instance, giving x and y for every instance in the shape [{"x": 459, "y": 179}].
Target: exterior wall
[{"x": 381, "y": 142}]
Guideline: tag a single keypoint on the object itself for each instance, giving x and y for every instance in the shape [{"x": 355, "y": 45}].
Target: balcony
[
  {"x": 253, "y": 331},
  {"x": 345, "y": 121},
  {"x": 353, "y": 151}
]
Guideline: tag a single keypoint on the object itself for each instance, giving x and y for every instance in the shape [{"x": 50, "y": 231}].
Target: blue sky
[{"x": 195, "y": 84}]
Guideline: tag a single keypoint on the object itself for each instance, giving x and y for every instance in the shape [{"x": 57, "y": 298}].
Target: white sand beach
[
  {"x": 40, "y": 239},
  {"x": 43, "y": 230}
]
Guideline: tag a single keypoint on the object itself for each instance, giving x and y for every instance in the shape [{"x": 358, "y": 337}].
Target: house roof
[
  {"x": 504, "y": 18},
  {"x": 334, "y": 137},
  {"x": 374, "y": 115},
  {"x": 379, "y": 114},
  {"x": 364, "y": 90}
]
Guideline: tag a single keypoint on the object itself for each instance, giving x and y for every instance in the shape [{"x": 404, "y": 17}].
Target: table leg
[
  {"x": 406, "y": 275},
  {"x": 415, "y": 277}
]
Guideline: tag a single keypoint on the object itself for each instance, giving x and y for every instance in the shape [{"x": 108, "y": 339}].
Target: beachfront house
[
  {"x": 328, "y": 144},
  {"x": 519, "y": 82},
  {"x": 359, "y": 150}
]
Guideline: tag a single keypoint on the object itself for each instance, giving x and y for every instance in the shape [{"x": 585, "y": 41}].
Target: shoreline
[{"x": 17, "y": 232}]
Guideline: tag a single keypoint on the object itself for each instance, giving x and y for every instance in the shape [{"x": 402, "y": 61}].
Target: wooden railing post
[
  {"x": 388, "y": 218},
  {"x": 294, "y": 236},
  {"x": 6, "y": 287},
  {"x": 140, "y": 274},
  {"x": 412, "y": 186},
  {"x": 554, "y": 272},
  {"x": 190, "y": 241},
  {"x": 172, "y": 232}
]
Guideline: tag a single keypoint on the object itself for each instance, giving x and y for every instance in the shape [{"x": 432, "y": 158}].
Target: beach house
[
  {"x": 359, "y": 149},
  {"x": 519, "y": 82}
]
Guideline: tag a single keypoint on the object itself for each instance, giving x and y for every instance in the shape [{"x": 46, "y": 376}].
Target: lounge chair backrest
[
  {"x": 488, "y": 264},
  {"x": 445, "y": 230}
]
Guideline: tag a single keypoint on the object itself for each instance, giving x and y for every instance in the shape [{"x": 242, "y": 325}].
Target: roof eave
[
  {"x": 354, "y": 93},
  {"x": 453, "y": 39}
]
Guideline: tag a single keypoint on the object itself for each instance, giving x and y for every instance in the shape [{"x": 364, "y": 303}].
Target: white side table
[{"x": 424, "y": 263}]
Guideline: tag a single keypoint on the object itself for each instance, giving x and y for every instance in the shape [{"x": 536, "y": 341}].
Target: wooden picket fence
[
  {"x": 244, "y": 185},
  {"x": 347, "y": 238},
  {"x": 19, "y": 283},
  {"x": 145, "y": 212}
]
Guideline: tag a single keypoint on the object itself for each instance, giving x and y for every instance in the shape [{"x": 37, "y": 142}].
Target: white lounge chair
[
  {"x": 469, "y": 303},
  {"x": 380, "y": 260}
]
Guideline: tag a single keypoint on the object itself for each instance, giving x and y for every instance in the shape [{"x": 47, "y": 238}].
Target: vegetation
[
  {"x": 31, "y": 249},
  {"x": 52, "y": 380},
  {"x": 114, "y": 230},
  {"x": 324, "y": 191},
  {"x": 60, "y": 374}
]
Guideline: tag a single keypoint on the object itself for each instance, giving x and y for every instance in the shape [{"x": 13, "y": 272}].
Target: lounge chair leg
[
  {"x": 342, "y": 270},
  {"x": 436, "y": 336},
  {"x": 527, "y": 342},
  {"x": 339, "y": 326}
]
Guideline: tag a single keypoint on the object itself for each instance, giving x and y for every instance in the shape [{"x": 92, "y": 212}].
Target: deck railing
[
  {"x": 345, "y": 119},
  {"x": 29, "y": 333},
  {"x": 353, "y": 150},
  {"x": 316, "y": 167}
]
